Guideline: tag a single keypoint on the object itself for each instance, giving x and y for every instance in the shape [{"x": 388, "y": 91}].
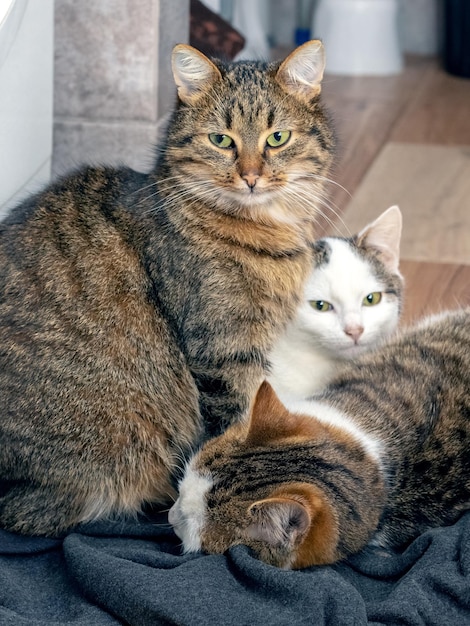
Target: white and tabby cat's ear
[
  {"x": 384, "y": 235},
  {"x": 193, "y": 72},
  {"x": 279, "y": 521},
  {"x": 297, "y": 517},
  {"x": 301, "y": 72}
]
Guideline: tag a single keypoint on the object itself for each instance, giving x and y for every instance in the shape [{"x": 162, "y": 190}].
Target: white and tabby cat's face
[
  {"x": 351, "y": 303},
  {"x": 353, "y": 297},
  {"x": 248, "y": 138},
  {"x": 348, "y": 306}
]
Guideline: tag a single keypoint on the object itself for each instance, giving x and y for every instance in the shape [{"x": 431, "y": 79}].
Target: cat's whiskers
[
  {"x": 157, "y": 185},
  {"x": 152, "y": 184},
  {"x": 336, "y": 210},
  {"x": 182, "y": 193},
  {"x": 181, "y": 456},
  {"x": 330, "y": 181},
  {"x": 198, "y": 191},
  {"x": 310, "y": 199},
  {"x": 303, "y": 176},
  {"x": 322, "y": 199},
  {"x": 219, "y": 198},
  {"x": 261, "y": 210},
  {"x": 205, "y": 197}
]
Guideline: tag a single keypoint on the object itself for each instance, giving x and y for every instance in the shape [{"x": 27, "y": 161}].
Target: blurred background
[{"x": 90, "y": 81}]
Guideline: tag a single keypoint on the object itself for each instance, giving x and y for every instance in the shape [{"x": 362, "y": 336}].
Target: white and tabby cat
[
  {"x": 352, "y": 303},
  {"x": 380, "y": 456}
]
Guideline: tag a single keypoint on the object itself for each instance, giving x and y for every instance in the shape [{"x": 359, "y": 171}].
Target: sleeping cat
[
  {"x": 380, "y": 456},
  {"x": 137, "y": 311},
  {"x": 352, "y": 302}
]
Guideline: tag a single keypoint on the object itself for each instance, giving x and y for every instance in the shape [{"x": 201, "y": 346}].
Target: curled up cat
[
  {"x": 137, "y": 311},
  {"x": 378, "y": 457},
  {"x": 352, "y": 302}
]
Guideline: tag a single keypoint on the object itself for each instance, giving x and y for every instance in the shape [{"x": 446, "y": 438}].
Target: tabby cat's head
[
  {"x": 256, "y": 485},
  {"x": 249, "y": 138}
]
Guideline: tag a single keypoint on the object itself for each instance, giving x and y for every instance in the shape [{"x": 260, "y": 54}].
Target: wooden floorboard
[
  {"x": 438, "y": 111},
  {"x": 431, "y": 184},
  {"x": 362, "y": 128},
  {"x": 365, "y": 112}
]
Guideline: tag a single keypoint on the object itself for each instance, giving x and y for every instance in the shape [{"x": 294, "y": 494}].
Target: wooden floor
[{"x": 393, "y": 135}]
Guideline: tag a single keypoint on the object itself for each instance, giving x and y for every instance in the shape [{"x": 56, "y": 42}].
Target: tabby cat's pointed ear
[
  {"x": 302, "y": 71},
  {"x": 299, "y": 518},
  {"x": 268, "y": 416},
  {"x": 193, "y": 72},
  {"x": 278, "y": 521},
  {"x": 384, "y": 235}
]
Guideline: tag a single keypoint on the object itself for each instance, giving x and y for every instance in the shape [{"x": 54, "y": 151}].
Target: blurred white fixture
[{"x": 360, "y": 36}]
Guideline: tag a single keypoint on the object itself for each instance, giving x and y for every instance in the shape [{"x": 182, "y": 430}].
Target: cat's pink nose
[
  {"x": 250, "y": 178},
  {"x": 354, "y": 332}
]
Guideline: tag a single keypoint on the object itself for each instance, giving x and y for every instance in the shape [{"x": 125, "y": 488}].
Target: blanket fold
[{"x": 133, "y": 573}]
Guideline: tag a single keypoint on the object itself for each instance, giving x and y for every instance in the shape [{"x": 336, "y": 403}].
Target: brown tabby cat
[
  {"x": 382, "y": 455},
  {"x": 136, "y": 311}
]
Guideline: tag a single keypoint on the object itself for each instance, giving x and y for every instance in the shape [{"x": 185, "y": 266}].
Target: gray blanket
[{"x": 116, "y": 573}]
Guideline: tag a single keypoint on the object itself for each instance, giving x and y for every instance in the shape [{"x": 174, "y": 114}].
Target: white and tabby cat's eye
[{"x": 370, "y": 300}]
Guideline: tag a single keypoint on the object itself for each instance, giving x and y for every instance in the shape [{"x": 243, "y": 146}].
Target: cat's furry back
[
  {"x": 352, "y": 303},
  {"x": 136, "y": 311},
  {"x": 382, "y": 455}
]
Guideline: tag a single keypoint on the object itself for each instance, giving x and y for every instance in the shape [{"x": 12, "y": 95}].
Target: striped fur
[
  {"x": 302, "y": 487},
  {"x": 137, "y": 311}
]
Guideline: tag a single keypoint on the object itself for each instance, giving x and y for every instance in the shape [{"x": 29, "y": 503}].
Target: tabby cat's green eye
[
  {"x": 372, "y": 298},
  {"x": 279, "y": 138},
  {"x": 221, "y": 141},
  {"x": 321, "y": 305}
]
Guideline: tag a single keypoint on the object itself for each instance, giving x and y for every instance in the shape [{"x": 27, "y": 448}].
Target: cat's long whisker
[
  {"x": 323, "y": 201},
  {"x": 181, "y": 456},
  {"x": 180, "y": 194},
  {"x": 335, "y": 209},
  {"x": 160, "y": 182},
  {"x": 197, "y": 190},
  {"x": 169, "y": 184},
  {"x": 152, "y": 184},
  {"x": 309, "y": 197},
  {"x": 203, "y": 194},
  {"x": 157, "y": 184},
  {"x": 316, "y": 177},
  {"x": 329, "y": 181}
]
